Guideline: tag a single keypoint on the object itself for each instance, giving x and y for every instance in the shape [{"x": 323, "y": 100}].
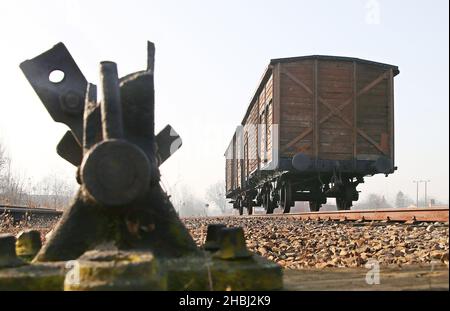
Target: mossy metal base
[
  {"x": 208, "y": 273},
  {"x": 150, "y": 223},
  {"x": 137, "y": 270},
  {"x": 116, "y": 270},
  {"x": 34, "y": 277}
]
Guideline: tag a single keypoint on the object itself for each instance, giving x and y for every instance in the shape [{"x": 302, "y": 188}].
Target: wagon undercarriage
[{"x": 284, "y": 189}]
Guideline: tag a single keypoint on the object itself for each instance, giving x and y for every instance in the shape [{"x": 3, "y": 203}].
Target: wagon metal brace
[{"x": 337, "y": 110}]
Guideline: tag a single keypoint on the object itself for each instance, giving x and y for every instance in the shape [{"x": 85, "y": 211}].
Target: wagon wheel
[
  {"x": 314, "y": 206},
  {"x": 286, "y": 198},
  {"x": 268, "y": 204},
  {"x": 343, "y": 204}
]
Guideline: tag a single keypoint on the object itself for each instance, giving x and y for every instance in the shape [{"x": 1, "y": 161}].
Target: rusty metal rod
[
  {"x": 111, "y": 108},
  {"x": 150, "y": 56},
  {"x": 90, "y": 122},
  {"x": 14, "y": 209}
]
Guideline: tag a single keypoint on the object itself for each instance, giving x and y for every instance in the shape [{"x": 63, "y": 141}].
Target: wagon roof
[
  {"x": 334, "y": 58},
  {"x": 274, "y": 61}
]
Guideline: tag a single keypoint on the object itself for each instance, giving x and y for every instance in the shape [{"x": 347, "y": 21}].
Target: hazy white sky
[{"x": 209, "y": 58}]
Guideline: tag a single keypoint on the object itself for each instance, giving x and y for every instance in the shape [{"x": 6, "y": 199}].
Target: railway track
[
  {"x": 24, "y": 213},
  {"x": 295, "y": 243},
  {"x": 433, "y": 214}
]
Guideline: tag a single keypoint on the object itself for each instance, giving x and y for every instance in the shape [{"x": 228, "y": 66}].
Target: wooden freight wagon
[{"x": 315, "y": 127}]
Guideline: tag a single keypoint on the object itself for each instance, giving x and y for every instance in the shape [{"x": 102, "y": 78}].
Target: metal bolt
[
  {"x": 8, "y": 257},
  {"x": 71, "y": 103},
  {"x": 213, "y": 237},
  {"x": 232, "y": 244},
  {"x": 115, "y": 172}
]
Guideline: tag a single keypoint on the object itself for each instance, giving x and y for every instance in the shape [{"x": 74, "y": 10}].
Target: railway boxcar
[{"x": 315, "y": 127}]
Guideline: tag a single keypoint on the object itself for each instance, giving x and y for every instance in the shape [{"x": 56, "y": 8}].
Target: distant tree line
[
  {"x": 53, "y": 191},
  {"x": 376, "y": 201}
]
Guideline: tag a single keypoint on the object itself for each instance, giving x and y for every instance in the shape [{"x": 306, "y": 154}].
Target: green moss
[
  {"x": 48, "y": 277},
  {"x": 28, "y": 244},
  {"x": 112, "y": 270},
  {"x": 26, "y": 258},
  {"x": 206, "y": 273}
]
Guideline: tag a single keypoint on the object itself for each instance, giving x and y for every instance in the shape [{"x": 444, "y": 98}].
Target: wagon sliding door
[{"x": 333, "y": 102}]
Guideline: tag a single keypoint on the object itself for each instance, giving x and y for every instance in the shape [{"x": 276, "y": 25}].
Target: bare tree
[
  {"x": 2, "y": 157},
  {"x": 185, "y": 202},
  {"x": 402, "y": 200},
  {"x": 53, "y": 191},
  {"x": 12, "y": 186},
  {"x": 3, "y": 163},
  {"x": 216, "y": 194},
  {"x": 374, "y": 201}
]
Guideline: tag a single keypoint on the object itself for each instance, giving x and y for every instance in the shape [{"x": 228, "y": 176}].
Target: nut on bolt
[
  {"x": 213, "y": 237},
  {"x": 71, "y": 103},
  {"x": 232, "y": 244},
  {"x": 28, "y": 244},
  {"x": 8, "y": 257},
  {"x": 115, "y": 172}
]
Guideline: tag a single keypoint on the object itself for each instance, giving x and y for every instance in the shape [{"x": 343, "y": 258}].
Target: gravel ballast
[{"x": 298, "y": 244}]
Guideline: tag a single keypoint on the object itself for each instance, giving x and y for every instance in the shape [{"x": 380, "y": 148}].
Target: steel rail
[
  {"x": 433, "y": 214},
  {"x": 16, "y": 209}
]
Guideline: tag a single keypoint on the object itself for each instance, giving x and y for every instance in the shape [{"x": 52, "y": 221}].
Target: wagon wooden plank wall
[{"x": 315, "y": 127}]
